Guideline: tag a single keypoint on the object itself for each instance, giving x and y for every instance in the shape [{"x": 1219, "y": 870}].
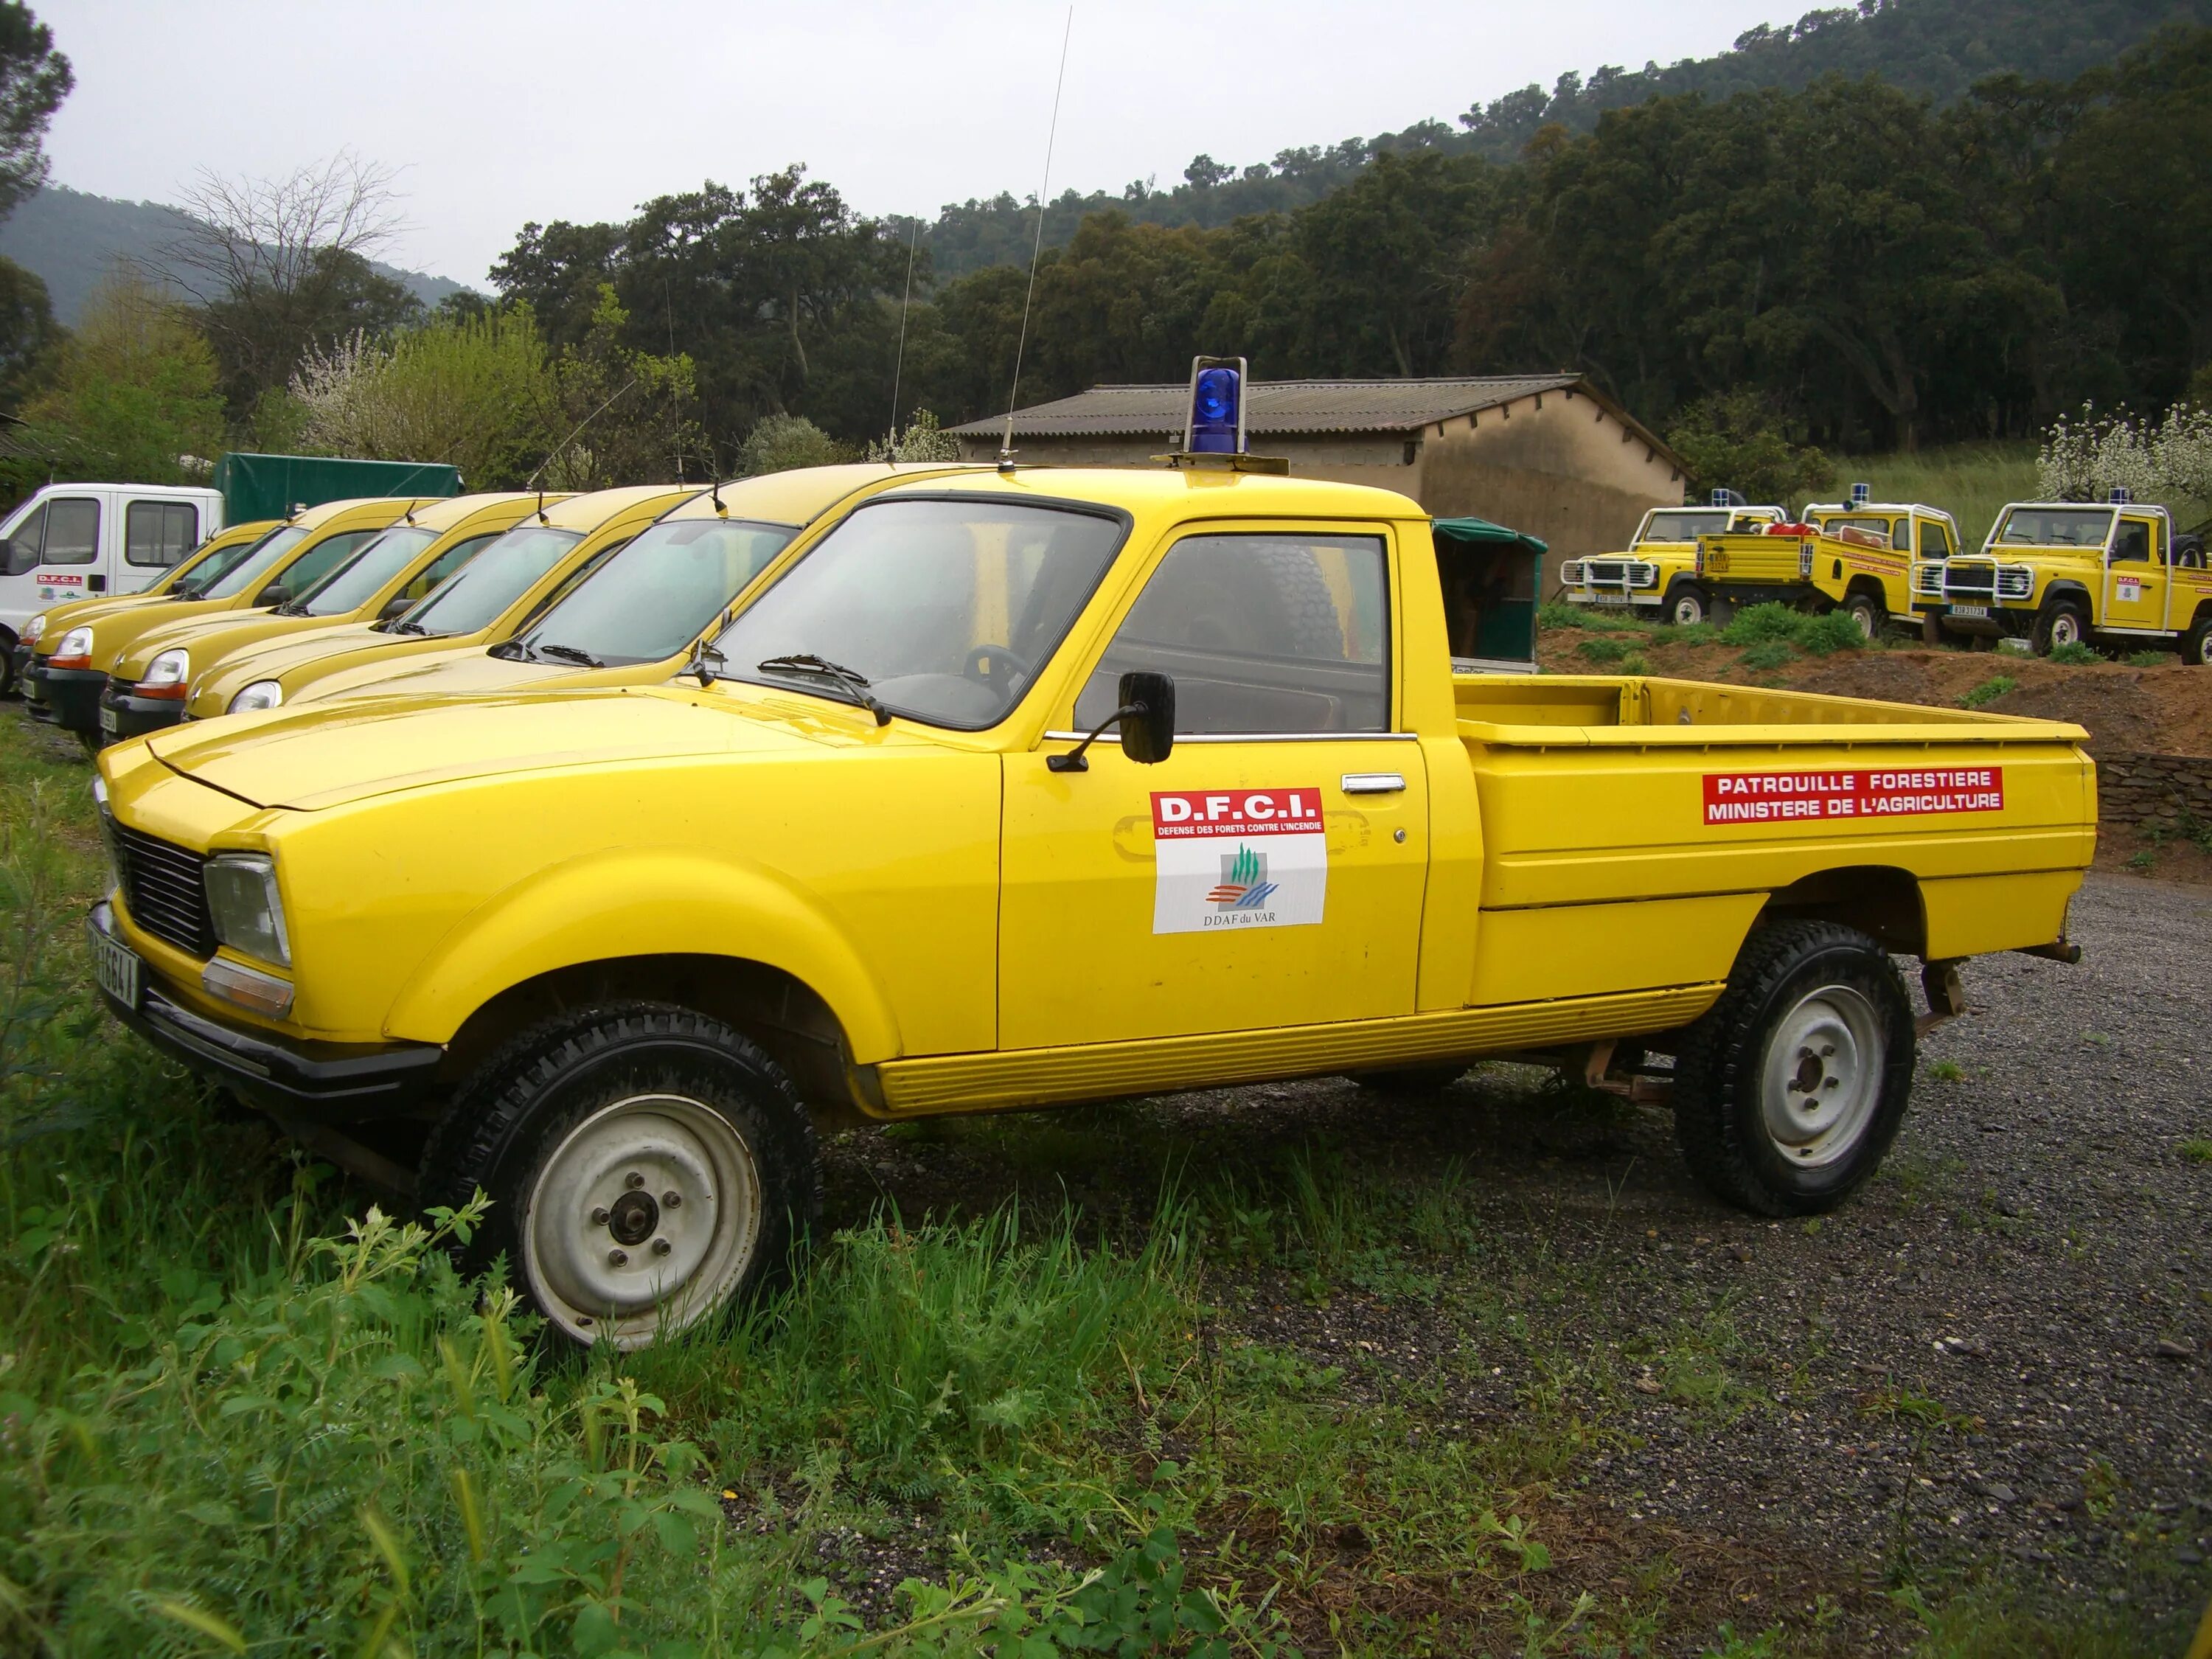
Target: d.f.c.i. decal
[{"x": 1238, "y": 858}]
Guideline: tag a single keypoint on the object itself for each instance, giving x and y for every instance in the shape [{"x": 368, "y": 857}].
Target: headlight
[
  {"x": 261, "y": 694},
  {"x": 243, "y": 903},
  {"x": 75, "y": 650},
  {"x": 34, "y": 628},
  {"x": 165, "y": 675}
]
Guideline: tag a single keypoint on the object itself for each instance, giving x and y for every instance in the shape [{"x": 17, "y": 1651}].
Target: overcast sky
[{"x": 505, "y": 111}]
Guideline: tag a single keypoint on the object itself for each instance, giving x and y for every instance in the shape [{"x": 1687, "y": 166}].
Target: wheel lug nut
[
  {"x": 671, "y": 1200},
  {"x": 618, "y": 1258},
  {"x": 661, "y": 1247},
  {"x": 599, "y": 1216},
  {"x": 633, "y": 1180}
]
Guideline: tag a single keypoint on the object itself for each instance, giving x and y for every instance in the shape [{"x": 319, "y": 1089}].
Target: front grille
[
  {"x": 163, "y": 887},
  {"x": 1974, "y": 580}
]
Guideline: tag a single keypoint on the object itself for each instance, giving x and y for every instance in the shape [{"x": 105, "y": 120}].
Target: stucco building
[{"x": 1545, "y": 454}]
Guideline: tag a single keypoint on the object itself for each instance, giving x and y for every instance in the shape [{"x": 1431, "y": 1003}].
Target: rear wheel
[
  {"x": 649, "y": 1169},
  {"x": 2197, "y": 643},
  {"x": 1789, "y": 1090},
  {"x": 1866, "y": 610},
  {"x": 1689, "y": 605},
  {"x": 1931, "y": 630},
  {"x": 2062, "y": 621}
]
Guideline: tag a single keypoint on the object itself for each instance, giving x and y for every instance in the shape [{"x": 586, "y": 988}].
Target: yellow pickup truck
[
  {"x": 2073, "y": 573},
  {"x": 876, "y": 850},
  {"x": 1657, "y": 577},
  {"x": 1854, "y": 556}
]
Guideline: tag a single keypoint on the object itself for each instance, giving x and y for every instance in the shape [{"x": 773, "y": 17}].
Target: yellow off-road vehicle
[
  {"x": 1656, "y": 577},
  {"x": 1854, "y": 557},
  {"x": 2073, "y": 573}
]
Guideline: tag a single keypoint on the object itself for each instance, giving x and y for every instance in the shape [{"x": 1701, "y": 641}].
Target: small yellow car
[
  {"x": 2057, "y": 574},
  {"x": 196, "y": 570},
  {"x": 287, "y": 561},
  {"x": 1655, "y": 578},
  {"x": 637, "y": 618},
  {"x": 149, "y": 683},
  {"x": 495, "y": 594}
]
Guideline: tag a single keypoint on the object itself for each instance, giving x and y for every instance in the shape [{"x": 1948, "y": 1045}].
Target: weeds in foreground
[
  {"x": 2074, "y": 654},
  {"x": 1988, "y": 691},
  {"x": 2195, "y": 1152},
  {"x": 1815, "y": 635}
]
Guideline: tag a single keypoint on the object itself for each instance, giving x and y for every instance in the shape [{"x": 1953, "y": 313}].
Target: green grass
[
  {"x": 2074, "y": 654},
  {"x": 1971, "y": 481},
  {"x": 2150, "y": 659},
  {"x": 2196, "y": 1151},
  {"x": 1988, "y": 691}
]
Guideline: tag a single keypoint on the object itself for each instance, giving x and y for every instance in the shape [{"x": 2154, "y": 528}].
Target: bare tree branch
[{"x": 263, "y": 236}]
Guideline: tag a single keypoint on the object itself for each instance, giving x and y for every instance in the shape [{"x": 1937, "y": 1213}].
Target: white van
[{"x": 78, "y": 541}]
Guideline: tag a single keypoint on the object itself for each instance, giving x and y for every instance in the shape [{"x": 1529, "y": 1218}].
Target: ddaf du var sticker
[{"x": 1238, "y": 858}]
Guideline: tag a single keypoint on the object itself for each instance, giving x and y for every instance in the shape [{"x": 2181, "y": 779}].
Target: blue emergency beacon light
[{"x": 1216, "y": 423}]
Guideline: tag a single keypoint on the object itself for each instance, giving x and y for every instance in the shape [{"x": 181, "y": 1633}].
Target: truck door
[
  {"x": 156, "y": 534},
  {"x": 1270, "y": 873},
  {"x": 2135, "y": 576},
  {"x": 52, "y": 556}
]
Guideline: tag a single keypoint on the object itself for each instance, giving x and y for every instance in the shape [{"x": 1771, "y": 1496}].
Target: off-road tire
[
  {"x": 1688, "y": 605},
  {"x": 2197, "y": 643},
  {"x": 1866, "y": 611},
  {"x": 2049, "y": 631},
  {"x": 525, "y": 1101},
  {"x": 1308, "y": 605},
  {"x": 1409, "y": 1082},
  {"x": 1721, "y": 1073}
]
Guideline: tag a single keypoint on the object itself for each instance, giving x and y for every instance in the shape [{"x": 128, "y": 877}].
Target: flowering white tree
[
  {"x": 2086, "y": 458},
  {"x": 922, "y": 441}
]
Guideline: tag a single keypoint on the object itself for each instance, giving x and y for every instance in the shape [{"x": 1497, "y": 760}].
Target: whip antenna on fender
[
  {"x": 1037, "y": 248},
  {"x": 899, "y": 369}
]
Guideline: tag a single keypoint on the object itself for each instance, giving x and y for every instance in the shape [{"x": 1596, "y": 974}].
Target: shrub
[
  {"x": 1824, "y": 636},
  {"x": 1633, "y": 663},
  {"x": 1755, "y": 624},
  {"x": 1734, "y": 439},
  {"x": 2147, "y": 659},
  {"x": 1693, "y": 634},
  {"x": 2075, "y": 653},
  {"x": 1779, "y": 624},
  {"x": 1988, "y": 691},
  {"x": 1558, "y": 613},
  {"x": 1767, "y": 653},
  {"x": 780, "y": 442},
  {"x": 1605, "y": 648}
]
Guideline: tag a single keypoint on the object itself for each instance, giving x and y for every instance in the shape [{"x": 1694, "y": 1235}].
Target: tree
[
  {"x": 620, "y": 416},
  {"x": 281, "y": 265},
  {"x": 475, "y": 392},
  {"x": 134, "y": 397},
  {"x": 35, "y": 78},
  {"x": 28, "y": 333},
  {"x": 923, "y": 439},
  {"x": 781, "y": 442},
  {"x": 1731, "y": 440}
]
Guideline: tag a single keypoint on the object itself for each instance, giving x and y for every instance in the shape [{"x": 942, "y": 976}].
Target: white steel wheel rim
[
  {"x": 1863, "y": 615},
  {"x": 1821, "y": 1078},
  {"x": 1688, "y": 612},
  {"x": 608, "y": 1257},
  {"x": 2065, "y": 630}
]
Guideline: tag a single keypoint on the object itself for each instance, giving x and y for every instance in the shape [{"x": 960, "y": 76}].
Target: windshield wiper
[
  {"x": 512, "y": 651},
  {"x": 852, "y": 679},
  {"x": 403, "y": 626},
  {"x": 293, "y": 608},
  {"x": 570, "y": 654}
]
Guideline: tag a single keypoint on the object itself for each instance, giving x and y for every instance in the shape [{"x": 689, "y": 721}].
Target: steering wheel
[{"x": 978, "y": 665}]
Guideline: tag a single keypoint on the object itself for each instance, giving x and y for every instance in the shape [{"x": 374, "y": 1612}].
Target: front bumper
[
  {"x": 319, "y": 1082},
  {"x": 124, "y": 714},
  {"x": 69, "y": 697},
  {"x": 1611, "y": 599}
]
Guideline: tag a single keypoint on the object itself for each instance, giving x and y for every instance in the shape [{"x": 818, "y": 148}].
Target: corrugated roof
[{"x": 1277, "y": 406}]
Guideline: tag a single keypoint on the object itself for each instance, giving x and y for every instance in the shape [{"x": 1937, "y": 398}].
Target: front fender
[{"x": 640, "y": 902}]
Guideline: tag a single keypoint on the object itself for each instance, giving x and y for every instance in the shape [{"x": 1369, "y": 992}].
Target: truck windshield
[
  {"x": 657, "y": 595},
  {"x": 2055, "y": 526},
  {"x": 473, "y": 596},
  {"x": 214, "y": 567},
  {"x": 248, "y": 573},
  {"x": 1685, "y": 526},
  {"x": 353, "y": 583},
  {"x": 947, "y": 609}
]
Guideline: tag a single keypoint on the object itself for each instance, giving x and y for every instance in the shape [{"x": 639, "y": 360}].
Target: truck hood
[
  {"x": 314, "y": 757},
  {"x": 468, "y": 670}
]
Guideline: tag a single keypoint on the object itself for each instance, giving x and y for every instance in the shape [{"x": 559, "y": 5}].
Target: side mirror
[
  {"x": 275, "y": 594},
  {"x": 395, "y": 608},
  {"x": 1147, "y": 717}
]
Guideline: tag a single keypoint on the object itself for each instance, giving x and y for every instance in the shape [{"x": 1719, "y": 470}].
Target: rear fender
[{"x": 645, "y": 902}]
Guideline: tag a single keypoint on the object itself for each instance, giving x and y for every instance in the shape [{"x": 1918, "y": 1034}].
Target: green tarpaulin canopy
[
  {"x": 1491, "y": 576},
  {"x": 271, "y": 486}
]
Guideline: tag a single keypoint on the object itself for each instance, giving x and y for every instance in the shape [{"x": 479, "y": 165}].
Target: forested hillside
[{"x": 1931, "y": 48}]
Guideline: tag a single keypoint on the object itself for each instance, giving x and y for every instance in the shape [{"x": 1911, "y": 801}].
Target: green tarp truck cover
[
  {"x": 1491, "y": 576},
  {"x": 276, "y": 486}
]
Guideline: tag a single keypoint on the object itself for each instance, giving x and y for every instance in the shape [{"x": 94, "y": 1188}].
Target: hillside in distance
[
  {"x": 1934, "y": 48},
  {"x": 71, "y": 240}
]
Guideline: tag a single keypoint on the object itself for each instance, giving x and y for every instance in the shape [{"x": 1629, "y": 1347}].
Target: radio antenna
[
  {"x": 898, "y": 371},
  {"x": 1037, "y": 248},
  {"x": 668, "y": 305}
]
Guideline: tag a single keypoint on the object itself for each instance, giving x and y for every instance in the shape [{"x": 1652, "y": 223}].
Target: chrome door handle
[{"x": 1373, "y": 783}]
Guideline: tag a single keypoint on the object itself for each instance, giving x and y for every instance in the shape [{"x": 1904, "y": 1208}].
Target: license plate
[
  {"x": 1611, "y": 598},
  {"x": 116, "y": 967},
  {"x": 1969, "y": 610},
  {"x": 108, "y": 722}
]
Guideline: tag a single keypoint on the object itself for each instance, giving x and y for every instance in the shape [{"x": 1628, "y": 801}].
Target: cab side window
[
  {"x": 1934, "y": 539},
  {"x": 156, "y": 534},
  {"x": 1262, "y": 633},
  {"x": 72, "y": 530},
  {"x": 2131, "y": 542}
]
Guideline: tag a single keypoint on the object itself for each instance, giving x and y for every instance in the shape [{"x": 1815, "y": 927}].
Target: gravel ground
[{"x": 1996, "y": 1362}]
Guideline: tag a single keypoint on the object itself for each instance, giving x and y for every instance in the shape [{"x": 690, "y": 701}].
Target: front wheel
[
  {"x": 1791, "y": 1088},
  {"x": 1932, "y": 631},
  {"x": 2062, "y": 622},
  {"x": 1689, "y": 605},
  {"x": 1867, "y": 612},
  {"x": 649, "y": 1170}
]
